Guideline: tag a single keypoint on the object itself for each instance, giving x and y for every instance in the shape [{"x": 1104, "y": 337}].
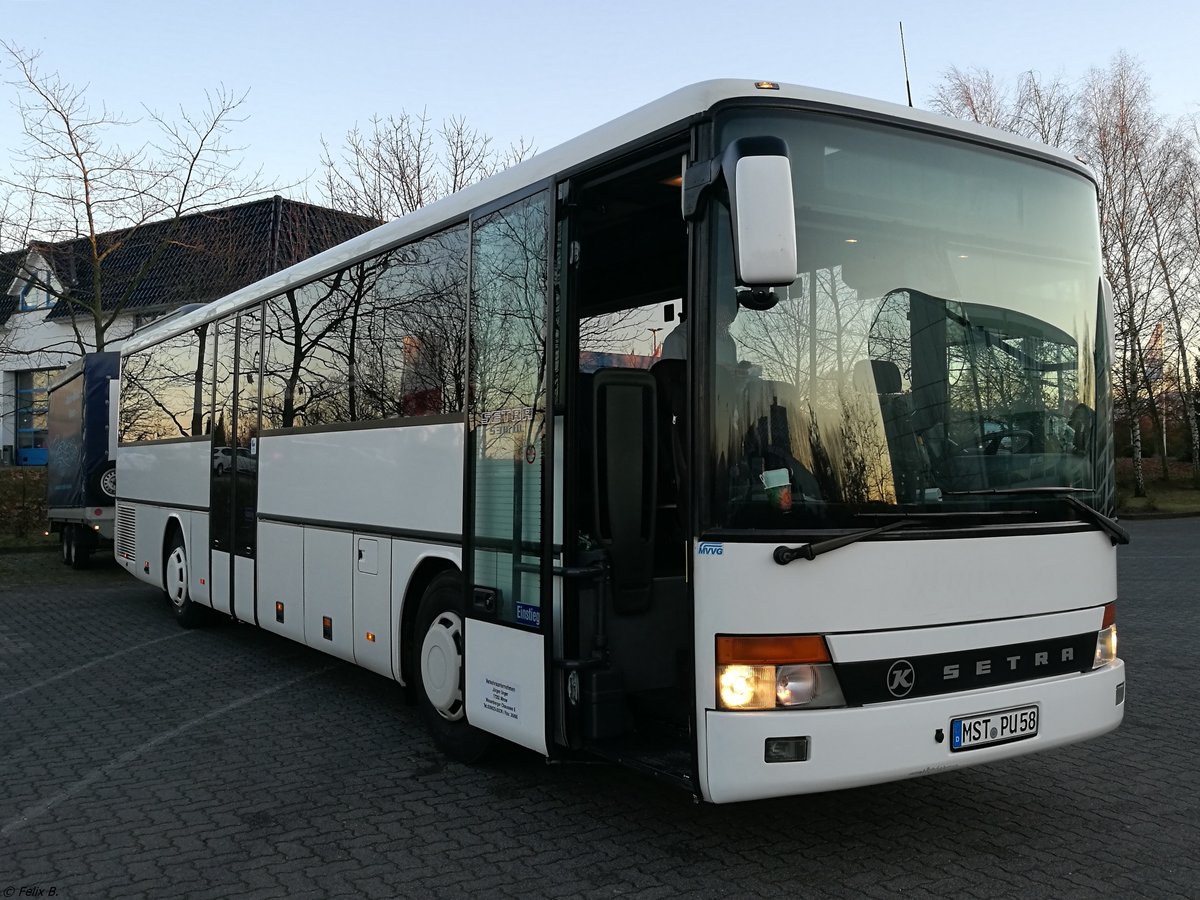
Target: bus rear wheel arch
[
  {"x": 176, "y": 580},
  {"x": 437, "y": 647}
]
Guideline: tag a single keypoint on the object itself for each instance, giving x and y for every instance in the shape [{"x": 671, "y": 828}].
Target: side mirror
[{"x": 758, "y": 173}]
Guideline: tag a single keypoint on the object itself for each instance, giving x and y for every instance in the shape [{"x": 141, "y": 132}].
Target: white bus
[{"x": 759, "y": 439}]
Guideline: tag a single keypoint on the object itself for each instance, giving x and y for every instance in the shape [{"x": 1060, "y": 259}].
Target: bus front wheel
[{"x": 438, "y": 644}]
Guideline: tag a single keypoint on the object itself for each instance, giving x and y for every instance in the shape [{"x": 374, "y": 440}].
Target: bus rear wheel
[
  {"x": 438, "y": 649},
  {"x": 187, "y": 612}
]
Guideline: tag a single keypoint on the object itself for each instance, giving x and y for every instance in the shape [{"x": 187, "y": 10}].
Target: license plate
[{"x": 997, "y": 727}]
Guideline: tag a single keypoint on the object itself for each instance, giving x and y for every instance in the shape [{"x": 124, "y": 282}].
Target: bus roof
[{"x": 660, "y": 115}]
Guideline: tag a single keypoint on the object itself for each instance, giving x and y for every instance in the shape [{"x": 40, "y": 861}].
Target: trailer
[{"x": 81, "y": 474}]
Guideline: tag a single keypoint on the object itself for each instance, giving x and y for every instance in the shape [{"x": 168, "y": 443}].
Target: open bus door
[
  {"x": 624, "y": 650},
  {"x": 509, "y": 532}
]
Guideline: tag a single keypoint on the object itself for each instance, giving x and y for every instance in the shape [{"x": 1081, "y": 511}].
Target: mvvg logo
[{"x": 711, "y": 548}]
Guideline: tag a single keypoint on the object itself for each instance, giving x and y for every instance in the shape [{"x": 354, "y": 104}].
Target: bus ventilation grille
[{"x": 126, "y": 531}]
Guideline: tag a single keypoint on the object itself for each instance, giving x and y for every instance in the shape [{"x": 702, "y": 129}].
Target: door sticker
[{"x": 501, "y": 698}]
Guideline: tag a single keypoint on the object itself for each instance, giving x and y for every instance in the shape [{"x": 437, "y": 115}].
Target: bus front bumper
[{"x": 890, "y": 741}]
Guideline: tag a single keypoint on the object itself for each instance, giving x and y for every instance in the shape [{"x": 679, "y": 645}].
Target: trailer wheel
[
  {"x": 438, "y": 643},
  {"x": 187, "y": 612},
  {"x": 64, "y": 544},
  {"x": 75, "y": 548}
]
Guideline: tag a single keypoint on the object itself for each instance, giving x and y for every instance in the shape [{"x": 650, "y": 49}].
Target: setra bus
[{"x": 760, "y": 439}]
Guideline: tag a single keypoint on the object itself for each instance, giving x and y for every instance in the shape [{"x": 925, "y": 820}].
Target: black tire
[
  {"x": 187, "y": 612},
  {"x": 439, "y": 624},
  {"x": 76, "y": 548}
]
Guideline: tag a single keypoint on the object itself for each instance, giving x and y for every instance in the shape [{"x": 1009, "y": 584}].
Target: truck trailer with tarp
[{"x": 81, "y": 484}]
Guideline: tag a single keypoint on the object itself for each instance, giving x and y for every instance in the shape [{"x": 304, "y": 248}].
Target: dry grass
[{"x": 1175, "y": 496}]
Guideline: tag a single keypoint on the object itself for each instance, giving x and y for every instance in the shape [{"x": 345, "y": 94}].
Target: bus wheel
[
  {"x": 438, "y": 649},
  {"x": 188, "y": 613}
]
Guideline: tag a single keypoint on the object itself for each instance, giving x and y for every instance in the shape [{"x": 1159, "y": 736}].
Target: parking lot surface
[{"x": 141, "y": 760}]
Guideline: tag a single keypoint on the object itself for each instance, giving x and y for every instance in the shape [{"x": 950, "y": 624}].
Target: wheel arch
[
  {"x": 426, "y": 570},
  {"x": 174, "y": 524}
]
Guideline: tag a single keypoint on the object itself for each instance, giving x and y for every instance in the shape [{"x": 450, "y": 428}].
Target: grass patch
[{"x": 1175, "y": 496}]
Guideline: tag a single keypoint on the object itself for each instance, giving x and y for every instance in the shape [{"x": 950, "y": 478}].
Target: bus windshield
[{"x": 942, "y": 350}]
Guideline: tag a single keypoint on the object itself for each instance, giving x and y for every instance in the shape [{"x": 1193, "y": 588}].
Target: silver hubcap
[
  {"x": 441, "y": 665},
  {"x": 176, "y": 577}
]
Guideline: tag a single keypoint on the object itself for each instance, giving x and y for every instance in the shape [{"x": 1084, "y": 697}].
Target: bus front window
[{"x": 942, "y": 349}]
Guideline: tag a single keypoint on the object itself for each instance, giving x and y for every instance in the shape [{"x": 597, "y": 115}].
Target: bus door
[
  {"x": 509, "y": 534},
  {"x": 624, "y": 648},
  {"x": 234, "y": 466}
]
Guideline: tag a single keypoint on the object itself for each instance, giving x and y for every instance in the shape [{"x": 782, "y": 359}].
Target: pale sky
[{"x": 547, "y": 71}]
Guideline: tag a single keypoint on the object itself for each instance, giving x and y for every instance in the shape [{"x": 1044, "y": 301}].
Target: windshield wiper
[
  {"x": 1115, "y": 532},
  {"x": 784, "y": 555}
]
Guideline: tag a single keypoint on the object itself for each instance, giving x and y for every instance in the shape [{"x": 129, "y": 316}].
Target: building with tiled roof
[{"x": 152, "y": 270}]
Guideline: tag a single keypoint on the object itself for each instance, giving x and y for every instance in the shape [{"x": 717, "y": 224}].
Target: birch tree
[
  {"x": 1117, "y": 127},
  {"x": 84, "y": 174},
  {"x": 1167, "y": 177}
]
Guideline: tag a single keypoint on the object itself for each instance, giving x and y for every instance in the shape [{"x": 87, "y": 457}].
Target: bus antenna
[{"x": 904, "y": 56}]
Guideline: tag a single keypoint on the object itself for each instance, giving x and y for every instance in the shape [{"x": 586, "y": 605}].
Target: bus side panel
[
  {"x": 198, "y": 558},
  {"x": 281, "y": 579},
  {"x": 328, "y": 592},
  {"x": 170, "y": 474},
  {"x": 244, "y": 587},
  {"x": 373, "y": 603},
  {"x": 220, "y": 580},
  {"x": 149, "y": 525},
  {"x": 408, "y": 477}
]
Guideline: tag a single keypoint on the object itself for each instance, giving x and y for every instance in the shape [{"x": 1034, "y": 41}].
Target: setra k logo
[{"x": 900, "y": 678}]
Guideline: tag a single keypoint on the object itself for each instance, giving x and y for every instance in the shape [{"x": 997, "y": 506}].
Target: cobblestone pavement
[{"x": 140, "y": 760}]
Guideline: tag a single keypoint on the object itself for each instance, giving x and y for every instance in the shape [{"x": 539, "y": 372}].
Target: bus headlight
[
  {"x": 1106, "y": 647},
  {"x": 747, "y": 687},
  {"x": 775, "y": 672},
  {"x": 1106, "y": 639},
  {"x": 811, "y": 686}
]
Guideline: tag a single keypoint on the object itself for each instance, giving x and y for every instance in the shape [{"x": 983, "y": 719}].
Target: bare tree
[
  {"x": 1036, "y": 107},
  {"x": 1167, "y": 174},
  {"x": 1117, "y": 128},
  {"x": 1045, "y": 109},
  {"x": 400, "y": 163},
  {"x": 1148, "y": 195},
  {"x": 976, "y": 95},
  {"x": 76, "y": 182}
]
